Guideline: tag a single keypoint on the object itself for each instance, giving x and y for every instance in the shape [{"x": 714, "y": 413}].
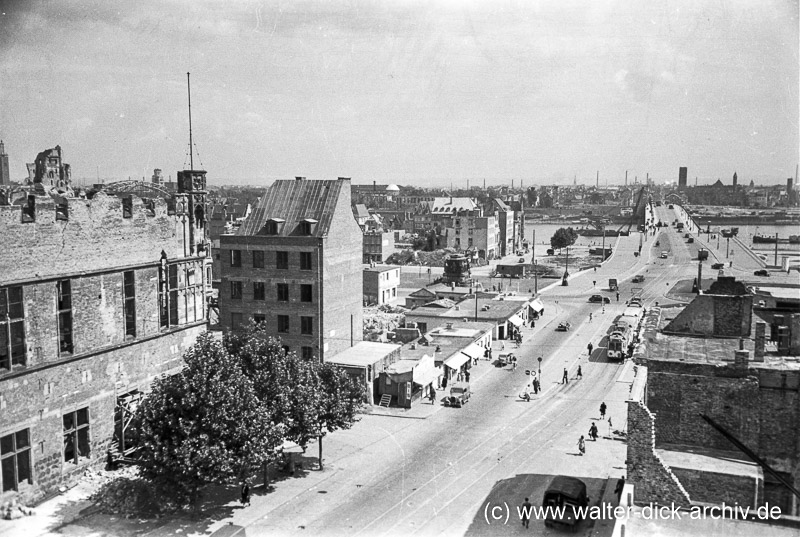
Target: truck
[
  {"x": 612, "y": 284},
  {"x": 702, "y": 254}
]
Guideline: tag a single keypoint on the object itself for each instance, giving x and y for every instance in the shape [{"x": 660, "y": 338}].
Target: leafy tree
[
  {"x": 563, "y": 237},
  {"x": 342, "y": 398},
  {"x": 532, "y": 196},
  {"x": 204, "y": 425}
]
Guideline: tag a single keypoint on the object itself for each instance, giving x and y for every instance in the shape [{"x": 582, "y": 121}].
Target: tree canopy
[
  {"x": 563, "y": 237},
  {"x": 235, "y": 402}
]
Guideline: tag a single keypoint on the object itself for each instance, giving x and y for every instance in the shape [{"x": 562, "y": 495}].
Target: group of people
[{"x": 593, "y": 433}]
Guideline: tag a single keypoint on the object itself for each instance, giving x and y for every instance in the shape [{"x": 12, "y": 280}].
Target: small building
[
  {"x": 378, "y": 245},
  {"x": 367, "y": 360},
  {"x": 380, "y": 284},
  {"x": 506, "y": 313},
  {"x": 420, "y": 297},
  {"x": 512, "y": 270},
  {"x": 406, "y": 381}
]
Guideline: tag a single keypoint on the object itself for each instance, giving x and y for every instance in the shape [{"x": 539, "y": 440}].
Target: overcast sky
[{"x": 406, "y": 92}]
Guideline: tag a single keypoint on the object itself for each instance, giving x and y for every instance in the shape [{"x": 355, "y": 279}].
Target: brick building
[
  {"x": 738, "y": 367},
  {"x": 295, "y": 263},
  {"x": 378, "y": 246},
  {"x": 98, "y": 296}
]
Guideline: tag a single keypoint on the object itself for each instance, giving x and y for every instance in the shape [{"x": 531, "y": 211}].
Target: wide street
[{"x": 435, "y": 476}]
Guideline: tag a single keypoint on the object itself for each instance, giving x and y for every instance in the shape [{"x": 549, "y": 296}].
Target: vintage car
[
  {"x": 506, "y": 358},
  {"x": 761, "y": 272},
  {"x": 717, "y": 266},
  {"x": 599, "y": 299},
  {"x": 563, "y": 326},
  {"x": 568, "y": 493},
  {"x": 459, "y": 394},
  {"x": 639, "y": 278}
]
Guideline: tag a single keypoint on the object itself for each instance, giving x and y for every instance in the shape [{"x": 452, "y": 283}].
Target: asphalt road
[{"x": 436, "y": 476}]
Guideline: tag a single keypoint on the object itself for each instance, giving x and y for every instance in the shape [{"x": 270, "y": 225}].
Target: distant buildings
[
  {"x": 98, "y": 296},
  {"x": 295, "y": 264},
  {"x": 5, "y": 177}
]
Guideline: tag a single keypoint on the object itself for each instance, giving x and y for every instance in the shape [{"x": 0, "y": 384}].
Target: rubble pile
[
  {"x": 11, "y": 510},
  {"x": 417, "y": 257},
  {"x": 378, "y": 320},
  {"x": 124, "y": 493}
]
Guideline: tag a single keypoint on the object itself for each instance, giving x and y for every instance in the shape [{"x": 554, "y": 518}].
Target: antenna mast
[{"x": 191, "y": 147}]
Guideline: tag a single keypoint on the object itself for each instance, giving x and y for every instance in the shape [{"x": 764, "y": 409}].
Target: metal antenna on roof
[{"x": 191, "y": 151}]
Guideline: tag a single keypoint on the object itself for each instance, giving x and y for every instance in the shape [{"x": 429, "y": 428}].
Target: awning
[
  {"x": 536, "y": 305},
  {"x": 516, "y": 320},
  {"x": 425, "y": 374},
  {"x": 456, "y": 361},
  {"x": 474, "y": 351}
]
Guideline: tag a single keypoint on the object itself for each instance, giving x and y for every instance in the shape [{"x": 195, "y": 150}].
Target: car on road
[
  {"x": 505, "y": 358},
  {"x": 600, "y": 298},
  {"x": 459, "y": 394},
  {"x": 550, "y": 251},
  {"x": 717, "y": 266},
  {"x": 565, "y": 501},
  {"x": 761, "y": 272},
  {"x": 663, "y": 254},
  {"x": 639, "y": 278},
  {"x": 563, "y": 326}
]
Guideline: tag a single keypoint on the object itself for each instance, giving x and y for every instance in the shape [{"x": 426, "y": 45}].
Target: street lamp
[{"x": 540, "y": 369}]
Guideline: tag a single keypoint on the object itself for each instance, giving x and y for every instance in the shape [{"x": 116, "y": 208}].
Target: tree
[
  {"x": 204, "y": 425},
  {"x": 532, "y": 195},
  {"x": 342, "y": 398},
  {"x": 563, "y": 237}
]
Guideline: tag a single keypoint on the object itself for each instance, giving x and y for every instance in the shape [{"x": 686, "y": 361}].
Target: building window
[
  {"x": 283, "y": 292},
  {"x": 64, "y": 289},
  {"x": 306, "y": 293},
  {"x": 76, "y": 435},
  {"x": 15, "y": 459},
  {"x": 236, "y": 258},
  {"x": 271, "y": 227},
  {"x": 306, "y": 325},
  {"x": 283, "y": 323},
  {"x": 181, "y": 294},
  {"x": 12, "y": 328},
  {"x": 282, "y": 260},
  {"x": 259, "y": 292},
  {"x": 236, "y": 290},
  {"x": 259, "y": 318},
  {"x": 308, "y": 353},
  {"x": 129, "y": 305},
  {"x": 236, "y": 321},
  {"x": 305, "y": 260},
  {"x": 258, "y": 259}
]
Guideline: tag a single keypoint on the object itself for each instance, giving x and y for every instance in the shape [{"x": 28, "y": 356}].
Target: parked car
[
  {"x": 505, "y": 358},
  {"x": 761, "y": 272},
  {"x": 639, "y": 278},
  {"x": 459, "y": 394},
  {"x": 566, "y": 497},
  {"x": 717, "y": 266},
  {"x": 635, "y": 301},
  {"x": 563, "y": 326},
  {"x": 599, "y": 298}
]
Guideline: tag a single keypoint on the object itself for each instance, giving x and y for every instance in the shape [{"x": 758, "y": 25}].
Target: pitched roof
[
  {"x": 453, "y": 205},
  {"x": 293, "y": 201},
  {"x": 360, "y": 211}
]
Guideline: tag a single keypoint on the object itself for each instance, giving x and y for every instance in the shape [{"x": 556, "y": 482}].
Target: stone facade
[
  {"x": 93, "y": 307},
  {"x": 714, "y": 315},
  {"x": 654, "y": 481}
]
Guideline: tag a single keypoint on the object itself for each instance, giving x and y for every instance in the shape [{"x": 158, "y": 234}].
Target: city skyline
[{"x": 405, "y": 93}]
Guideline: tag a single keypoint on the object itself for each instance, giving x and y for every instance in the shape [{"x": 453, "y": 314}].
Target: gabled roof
[
  {"x": 423, "y": 293},
  {"x": 295, "y": 201},
  {"x": 444, "y": 303},
  {"x": 452, "y": 205},
  {"x": 360, "y": 211}
]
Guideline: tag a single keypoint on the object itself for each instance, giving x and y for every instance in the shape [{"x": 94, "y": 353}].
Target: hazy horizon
[{"x": 405, "y": 92}]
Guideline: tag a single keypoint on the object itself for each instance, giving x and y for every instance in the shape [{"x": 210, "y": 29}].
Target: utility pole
[
  {"x": 604, "y": 243},
  {"x": 776, "y": 249}
]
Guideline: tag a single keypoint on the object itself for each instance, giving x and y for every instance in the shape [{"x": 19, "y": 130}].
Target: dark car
[
  {"x": 761, "y": 272},
  {"x": 459, "y": 395},
  {"x": 567, "y": 499},
  {"x": 550, "y": 251},
  {"x": 599, "y": 298},
  {"x": 717, "y": 266}
]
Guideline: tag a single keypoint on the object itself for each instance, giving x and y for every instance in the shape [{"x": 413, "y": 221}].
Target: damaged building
[
  {"x": 99, "y": 294},
  {"x": 714, "y": 409}
]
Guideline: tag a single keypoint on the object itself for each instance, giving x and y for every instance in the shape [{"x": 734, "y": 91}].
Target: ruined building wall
[
  {"x": 714, "y": 315},
  {"x": 95, "y": 236}
]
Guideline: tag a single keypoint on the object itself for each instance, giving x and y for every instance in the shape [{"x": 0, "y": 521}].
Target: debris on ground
[
  {"x": 378, "y": 320},
  {"x": 124, "y": 493},
  {"x": 12, "y": 510}
]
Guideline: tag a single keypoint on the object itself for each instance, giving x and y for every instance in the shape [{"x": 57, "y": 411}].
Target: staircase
[{"x": 386, "y": 399}]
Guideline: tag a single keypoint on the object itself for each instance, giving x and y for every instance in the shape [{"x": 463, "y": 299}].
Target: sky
[{"x": 415, "y": 93}]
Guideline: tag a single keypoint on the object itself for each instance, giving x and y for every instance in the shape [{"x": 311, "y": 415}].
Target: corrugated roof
[{"x": 294, "y": 201}]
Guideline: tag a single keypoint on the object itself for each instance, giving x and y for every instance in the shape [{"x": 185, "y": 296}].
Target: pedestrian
[
  {"x": 581, "y": 446},
  {"x": 580, "y": 373},
  {"x": 526, "y": 512},
  {"x": 245, "y": 494},
  {"x": 603, "y": 410},
  {"x": 610, "y": 426},
  {"x": 433, "y": 396},
  {"x": 502, "y": 345},
  {"x": 466, "y": 376},
  {"x": 593, "y": 432},
  {"x": 535, "y": 386},
  {"x": 617, "y": 297},
  {"x": 444, "y": 382},
  {"x": 590, "y": 317},
  {"x": 565, "y": 377},
  {"x": 619, "y": 487},
  {"x": 590, "y": 348}
]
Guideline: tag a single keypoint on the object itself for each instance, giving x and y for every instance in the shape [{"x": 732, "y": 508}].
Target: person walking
[
  {"x": 535, "y": 386},
  {"x": 526, "y": 513},
  {"x": 590, "y": 317},
  {"x": 433, "y": 396},
  {"x": 565, "y": 377},
  {"x": 580, "y": 373},
  {"x": 593, "y": 432},
  {"x": 590, "y": 348},
  {"x": 581, "y": 446},
  {"x": 603, "y": 410},
  {"x": 245, "y": 494},
  {"x": 466, "y": 376}
]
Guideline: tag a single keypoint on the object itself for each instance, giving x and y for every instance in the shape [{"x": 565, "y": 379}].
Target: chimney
[
  {"x": 741, "y": 358},
  {"x": 374, "y": 187},
  {"x": 761, "y": 332}
]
